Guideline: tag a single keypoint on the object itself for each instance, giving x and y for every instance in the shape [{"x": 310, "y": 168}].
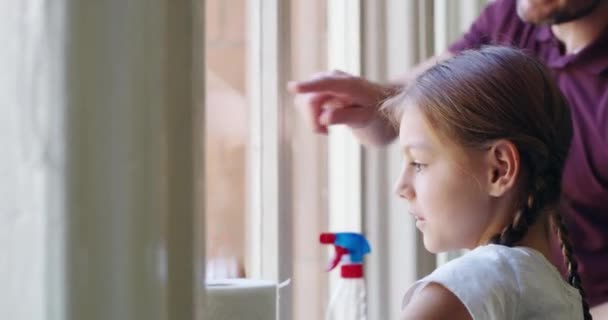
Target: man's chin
[{"x": 533, "y": 16}]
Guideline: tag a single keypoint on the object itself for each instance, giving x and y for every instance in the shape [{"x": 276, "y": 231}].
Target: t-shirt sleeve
[
  {"x": 497, "y": 24},
  {"x": 485, "y": 285}
]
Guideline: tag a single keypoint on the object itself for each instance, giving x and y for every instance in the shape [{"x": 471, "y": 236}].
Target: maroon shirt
[{"x": 583, "y": 78}]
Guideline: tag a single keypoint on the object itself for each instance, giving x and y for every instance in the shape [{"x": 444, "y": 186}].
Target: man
[{"x": 571, "y": 38}]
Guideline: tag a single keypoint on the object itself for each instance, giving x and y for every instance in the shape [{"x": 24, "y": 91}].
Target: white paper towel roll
[{"x": 238, "y": 299}]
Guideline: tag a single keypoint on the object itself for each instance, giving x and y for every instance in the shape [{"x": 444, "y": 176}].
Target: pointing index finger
[{"x": 334, "y": 85}]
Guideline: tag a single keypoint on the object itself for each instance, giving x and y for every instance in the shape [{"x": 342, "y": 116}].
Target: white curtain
[
  {"x": 32, "y": 162},
  {"x": 97, "y": 170}
]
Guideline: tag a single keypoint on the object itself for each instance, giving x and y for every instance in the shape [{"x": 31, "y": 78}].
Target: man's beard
[{"x": 567, "y": 16}]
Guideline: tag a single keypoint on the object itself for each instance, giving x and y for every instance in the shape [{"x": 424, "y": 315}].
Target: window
[
  {"x": 266, "y": 173},
  {"x": 272, "y": 185}
]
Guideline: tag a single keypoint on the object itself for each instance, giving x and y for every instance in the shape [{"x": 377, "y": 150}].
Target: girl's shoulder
[
  {"x": 484, "y": 272},
  {"x": 495, "y": 281}
]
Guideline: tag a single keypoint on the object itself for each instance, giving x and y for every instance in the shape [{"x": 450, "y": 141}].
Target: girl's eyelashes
[{"x": 417, "y": 166}]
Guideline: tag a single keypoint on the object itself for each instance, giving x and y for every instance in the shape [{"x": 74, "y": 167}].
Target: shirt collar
[
  {"x": 593, "y": 58},
  {"x": 544, "y": 33}
]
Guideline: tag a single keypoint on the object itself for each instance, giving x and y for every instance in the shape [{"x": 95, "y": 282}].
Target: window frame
[{"x": 269, "y": 222}]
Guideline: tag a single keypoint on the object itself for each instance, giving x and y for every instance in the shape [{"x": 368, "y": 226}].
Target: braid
[
  {"x": 524, "y": 218},
  {"x": 570, "y": 261},
  {"x": 513, "y": 232}
]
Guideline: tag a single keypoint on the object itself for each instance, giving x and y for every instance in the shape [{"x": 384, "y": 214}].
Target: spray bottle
[{"x": 348, "y": 301}]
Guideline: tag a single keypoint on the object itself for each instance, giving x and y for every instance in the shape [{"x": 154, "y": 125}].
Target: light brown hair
[{"x": 480, "y": 96}]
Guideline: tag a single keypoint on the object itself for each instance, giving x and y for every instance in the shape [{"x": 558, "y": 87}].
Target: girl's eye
[{"x": 417, "y": 166}]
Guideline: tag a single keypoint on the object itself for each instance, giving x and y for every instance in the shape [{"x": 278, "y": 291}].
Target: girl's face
[{"x": 445, "y": 185}]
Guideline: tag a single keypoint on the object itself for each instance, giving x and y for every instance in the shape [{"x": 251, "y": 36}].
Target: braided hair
[{"x": 570, "y": 261}]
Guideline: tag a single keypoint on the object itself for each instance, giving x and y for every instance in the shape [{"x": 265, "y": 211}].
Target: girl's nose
[
  {"x": 404, "y": 189},
  {"x": 406, "y": 193}
]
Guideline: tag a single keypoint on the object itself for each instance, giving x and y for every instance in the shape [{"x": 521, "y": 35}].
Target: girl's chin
[
  {"x": 431, "y": 247},
  {"x": 435, "y": 248}
]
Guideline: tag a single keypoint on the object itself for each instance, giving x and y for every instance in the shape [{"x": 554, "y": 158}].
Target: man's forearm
[{"x": 381, "y": 131}]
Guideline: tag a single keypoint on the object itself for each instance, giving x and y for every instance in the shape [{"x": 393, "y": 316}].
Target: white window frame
[
  {"x": 269, "y": 247},
  {"x": 344, "y": 152}
]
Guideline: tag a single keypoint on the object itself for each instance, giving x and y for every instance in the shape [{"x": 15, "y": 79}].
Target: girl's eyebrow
[
  {"x": 420, "y": 147},
  {"x": 416, "y": 145}
]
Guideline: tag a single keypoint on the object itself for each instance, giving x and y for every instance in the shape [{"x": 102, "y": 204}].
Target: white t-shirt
[{"x": 499, "y": 282}]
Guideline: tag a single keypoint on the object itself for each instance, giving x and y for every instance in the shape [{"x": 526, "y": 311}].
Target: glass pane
[{"x": 226, "y": 137}]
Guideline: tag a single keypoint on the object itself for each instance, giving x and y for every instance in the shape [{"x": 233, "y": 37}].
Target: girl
[{"x": 485, "y": 136}]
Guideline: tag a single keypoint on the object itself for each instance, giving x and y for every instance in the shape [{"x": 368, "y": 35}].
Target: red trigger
[{"x": 337, "y": 257}]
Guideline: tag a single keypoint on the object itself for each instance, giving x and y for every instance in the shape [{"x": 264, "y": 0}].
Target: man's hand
[{"x": 339, "y": 98}]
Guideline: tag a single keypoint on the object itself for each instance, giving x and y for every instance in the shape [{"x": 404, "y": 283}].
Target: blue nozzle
[{"x": 354, "y": 243}]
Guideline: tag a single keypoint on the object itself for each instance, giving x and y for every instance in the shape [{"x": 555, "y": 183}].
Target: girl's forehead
[{"x": 416, "y": 131}]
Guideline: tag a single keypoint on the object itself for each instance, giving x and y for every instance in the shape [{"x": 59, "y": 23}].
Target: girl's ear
[{"x": 504, "y": 166}]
